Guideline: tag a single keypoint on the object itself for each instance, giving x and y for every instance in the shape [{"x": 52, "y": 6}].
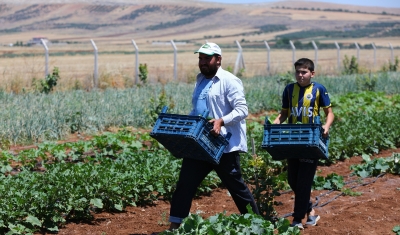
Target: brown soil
[{"x": 376, "y": 211}]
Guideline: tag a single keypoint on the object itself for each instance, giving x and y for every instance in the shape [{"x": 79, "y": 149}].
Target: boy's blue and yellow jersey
[{"x": 303, "y": 103}]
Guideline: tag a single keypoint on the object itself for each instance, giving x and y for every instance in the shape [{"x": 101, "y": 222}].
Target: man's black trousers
[{"x": 194, "y": 171}]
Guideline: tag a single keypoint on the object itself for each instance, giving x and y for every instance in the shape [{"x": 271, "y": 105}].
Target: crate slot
[{"x": 283, "y": 141}]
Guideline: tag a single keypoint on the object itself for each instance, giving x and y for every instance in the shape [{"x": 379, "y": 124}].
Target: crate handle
[
  {"x": 267, "y": 121},
  {"x": 164, "y": 109},
  {"x": 228, "y": 136},
  {"x": 205, "y": 114},
  {"x": 317, "y": 119}
]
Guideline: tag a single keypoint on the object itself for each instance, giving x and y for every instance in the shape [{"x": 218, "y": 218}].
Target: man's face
[
  {"x": 303, "y": 76},
  {"x": 209, "y": 64}
]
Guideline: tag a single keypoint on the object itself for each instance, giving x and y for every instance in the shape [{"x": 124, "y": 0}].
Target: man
[{"x": 222, "y": 94}]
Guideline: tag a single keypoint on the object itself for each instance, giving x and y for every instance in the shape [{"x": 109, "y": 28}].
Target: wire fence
[{"x": 101, "y": 65}]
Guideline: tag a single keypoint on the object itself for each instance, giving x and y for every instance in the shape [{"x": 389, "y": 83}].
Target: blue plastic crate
[
  {"x": 187, "y": 136},
  {"x": 285, "y": 141}
]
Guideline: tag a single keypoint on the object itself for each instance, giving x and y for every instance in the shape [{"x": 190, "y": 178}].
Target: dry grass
[{"x": 118, "y": 70}]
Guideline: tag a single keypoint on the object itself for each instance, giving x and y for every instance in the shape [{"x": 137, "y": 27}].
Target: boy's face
[{"x": 303, "y": 76}]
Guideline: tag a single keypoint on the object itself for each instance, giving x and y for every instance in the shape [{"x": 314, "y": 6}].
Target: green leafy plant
[
  {"x": 396, "y": 229},
  {"x": 48, "y": 84},
  {"x": 331, "y": 181},
  {"x": 285, "y": 78},
  {"x": 143, "y": 73},
  {"x": 156, "y": 105},
  {"x": 366, "y": 82},
  {"x": 164, "y": 219},
  {"x": 370, "y": 167},
  {"x": 241, "y": 72},
  {"x": 265, "y": 189},
  {"x": 395, "y": 66},
  {"x": 350, "y": 192},
  {"x": 350, "y": 66},
  {"x": 250, "y": 224}
]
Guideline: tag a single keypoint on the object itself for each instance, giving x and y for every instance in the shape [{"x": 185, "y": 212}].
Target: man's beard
[{"x": 209, "y": 70}]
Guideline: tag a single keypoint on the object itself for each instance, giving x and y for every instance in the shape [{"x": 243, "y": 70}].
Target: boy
[{"x": 301, "y": 102}]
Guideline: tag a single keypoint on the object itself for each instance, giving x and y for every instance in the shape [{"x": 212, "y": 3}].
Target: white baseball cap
[{"x": 209, "y": 48}]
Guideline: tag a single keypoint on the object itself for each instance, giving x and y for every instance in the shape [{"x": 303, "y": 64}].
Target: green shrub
[
  {"x": 366, "y": 82},
  {"x": 48, "y": 84},
  {"x": 156, "y": 105},
  {"x": 350, "y": 66},
  {"x": 143, "y": 73},
  {"x": 390, "y": 67}
]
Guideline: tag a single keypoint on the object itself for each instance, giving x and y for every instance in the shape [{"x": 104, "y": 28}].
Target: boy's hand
[{"x": 326, "y": 131}]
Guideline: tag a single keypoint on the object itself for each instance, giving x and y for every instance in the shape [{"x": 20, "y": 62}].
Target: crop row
[
  {"x": 35, "y": 117},
  {"x": 44, "y": 187}
]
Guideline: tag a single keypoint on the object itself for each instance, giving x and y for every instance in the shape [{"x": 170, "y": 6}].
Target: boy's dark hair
[{"x": 305, "y": 63}]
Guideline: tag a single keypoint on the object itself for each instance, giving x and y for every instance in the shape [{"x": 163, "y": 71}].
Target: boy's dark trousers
[
  {"x": 194, "y": 171},
  {"x": 301, "y": 177}
]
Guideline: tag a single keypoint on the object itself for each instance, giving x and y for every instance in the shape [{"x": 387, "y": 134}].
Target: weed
[
  {"x": 366, "y": 82},
  {"x": 391, "y": 67},
  {"x": 350, "y": 66},
  {"x": 143, "y": 73},
  {"x": 77, "y": 85},
  {"x": 266, "y": 187},
  {"x": 240, "y": 73},
  {"x": 48, "y": 84},
  {"x": 156, "y": 105},
  {"x": 229, "y": 69},
  {"x": 349, "y": 192},
  {"x": 285, "y": 79},
  {"x": 164, "y": 220},
  {"x": 395, "y": 66},
  {"x": 396, "y": 229}
]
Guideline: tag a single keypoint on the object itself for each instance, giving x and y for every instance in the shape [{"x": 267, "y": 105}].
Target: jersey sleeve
[
  {"x": 285, "y": 98},
  {"x": 324, "y": 101}
]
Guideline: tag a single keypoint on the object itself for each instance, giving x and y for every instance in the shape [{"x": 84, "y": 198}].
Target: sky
[{"x": 377, "y": 3}]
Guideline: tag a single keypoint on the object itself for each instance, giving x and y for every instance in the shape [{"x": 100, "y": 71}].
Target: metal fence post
[
  {"x": 391, "y": 53},
  {"x": 239, "y": 59},
  {"x": 46, "y": 71},
  {"x": 373, "y": 46},
  {"x": 175, "y": 60},
  {"x": 96, "y": 68},
  {"x": 294, "y": 51},
  {"x": 358, "y": 52},
  {"x": 316, "y": 54},
  {"x": 268, "y": 57},
  {"x": 136, "y": 62},
  {"x": 338, "y": 54}
]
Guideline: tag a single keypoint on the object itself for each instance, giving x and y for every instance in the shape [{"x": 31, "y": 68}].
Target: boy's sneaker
[
  {"x": 297, "y": 224},
  {"x": 312, "y": 220}
]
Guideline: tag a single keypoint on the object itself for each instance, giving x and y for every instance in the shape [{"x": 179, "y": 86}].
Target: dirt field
[{"x": 375, "y": 212}]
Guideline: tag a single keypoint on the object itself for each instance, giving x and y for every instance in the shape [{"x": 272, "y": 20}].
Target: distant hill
[{"x": 150, "y": 20}]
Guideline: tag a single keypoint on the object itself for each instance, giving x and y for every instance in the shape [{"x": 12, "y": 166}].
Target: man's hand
[{"x": 217, "y": 124}]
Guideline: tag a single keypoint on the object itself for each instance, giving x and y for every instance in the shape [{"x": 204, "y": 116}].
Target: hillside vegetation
[{"x": 73, "y": 21}]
